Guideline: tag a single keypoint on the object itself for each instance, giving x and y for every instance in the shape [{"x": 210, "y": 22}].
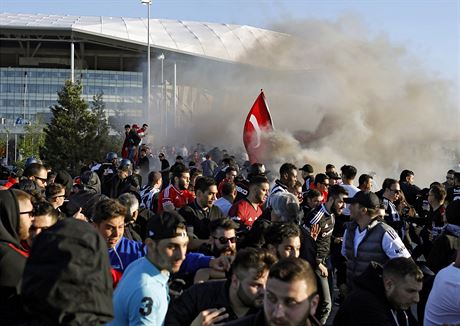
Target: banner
[{"x": 257, "y": 122}]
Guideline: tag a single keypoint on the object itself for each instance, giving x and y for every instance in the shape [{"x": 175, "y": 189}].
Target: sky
[{"x": 428, "y": 29}]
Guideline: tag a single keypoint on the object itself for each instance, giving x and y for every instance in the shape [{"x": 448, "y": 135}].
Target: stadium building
[{"x": 109, "y": 55}]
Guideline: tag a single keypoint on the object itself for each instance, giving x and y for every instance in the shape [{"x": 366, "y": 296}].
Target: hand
[
  {"x": 314, "y": 231},
  {"x": 80, "y": 216},
  {"x": 323, "y": 270},
  {"x": 221, "y": 264},
  {"x": 209, "y": 317},
  {"x": 338, "y": 240}
]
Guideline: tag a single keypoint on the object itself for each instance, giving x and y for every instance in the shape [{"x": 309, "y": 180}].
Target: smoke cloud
[{"x": 338, "y": 95}]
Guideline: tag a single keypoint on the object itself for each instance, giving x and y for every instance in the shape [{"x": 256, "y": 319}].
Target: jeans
[{"x": 325, "y": 302}]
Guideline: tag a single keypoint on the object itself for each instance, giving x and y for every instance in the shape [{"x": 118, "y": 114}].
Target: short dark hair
[
  {"x": 257, "y": 180},
  {"x": 222, "y": 223},
  {"x": 388, "y": 182},
  {"x": 178, "y": 170},
  {"x": 400, "y": 267},
  {"x": 53, "y": 189},
  {"x": 127, "y": 126},
  {"x": 294, "y": 269},
  {"x": 330, "y": 166},
  {"x": 33, "y": 169},
  {"x": 349, "y": 171},
  {"x": 247, "y": 258},
  {"x": 230, "y": 169},
  {"x": 153, "y": 177},
  {"x": 228, "y": 188},
  {"x": 335, "y": 191},
  {"x": 438, "y": 192},
  {"x": 203, "y": 183},
  {"x": 43, "y": 207},
  {"x": 321, "y": 178},
  {"x": 277, "y": 232},
  {"x": 312, "y": 193},
  {"x": 107, "y": 209},
  {"x": 364, "y": 178},
  {"x": 287, "y": 168},
  {"x": 404, "y": 174}
]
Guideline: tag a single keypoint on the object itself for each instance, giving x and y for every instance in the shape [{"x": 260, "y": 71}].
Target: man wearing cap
[
  {"x": 307, "y": 176},
  {"x": 242, "y": 185},
  {"x": 367, "y": 238},
  {"x": 141, "y": 297}
]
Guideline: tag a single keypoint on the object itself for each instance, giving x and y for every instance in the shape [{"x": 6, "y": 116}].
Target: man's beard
[
  {"x": 227, "y": 251},
  {"x": 246, "y": 300}
]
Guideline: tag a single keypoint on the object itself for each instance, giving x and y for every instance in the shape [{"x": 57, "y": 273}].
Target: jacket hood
[
  {"x": 67, "y": 278},
  {"x": 9, "y": 217},
  {"x": 91, "y": 182},
  {"x": 371, "y": 280}
]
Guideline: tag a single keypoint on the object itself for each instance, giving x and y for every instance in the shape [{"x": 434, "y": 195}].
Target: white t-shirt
[
  {"x": 443, "y": 305},
  {"x": 352, "y": 190},
  {"x": 391, "y": 243}
]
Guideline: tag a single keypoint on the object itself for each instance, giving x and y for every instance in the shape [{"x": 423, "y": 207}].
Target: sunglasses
[
  {"x": 30, "y": 213},
  {"x": 41, "y": 179},
  {"x": 224, "y": 240}
]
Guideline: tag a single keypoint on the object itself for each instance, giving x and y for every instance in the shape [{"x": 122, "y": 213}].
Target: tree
[
  {"x": 71, "y": 139},
  {"x": 105, "y": 142},
  {"x": 33, "y": 140}
]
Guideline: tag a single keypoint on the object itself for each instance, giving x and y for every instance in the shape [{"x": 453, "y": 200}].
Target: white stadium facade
[{"x": 109, "y": 55}]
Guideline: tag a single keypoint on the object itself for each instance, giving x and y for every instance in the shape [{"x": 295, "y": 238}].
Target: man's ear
[
  {"x": 149, "y": 243},
  {"x": 314, "y": 304},
  {"x": 388, "y": 284}
]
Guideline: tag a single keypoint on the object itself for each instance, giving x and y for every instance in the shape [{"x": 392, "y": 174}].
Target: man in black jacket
[
  {"x": 324, "y": 216},
  {"x": 220, "y": 301},
  {"x": 383, "y": 296}
]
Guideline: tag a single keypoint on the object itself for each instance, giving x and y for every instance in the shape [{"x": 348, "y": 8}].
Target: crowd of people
[{"x": 212, "y": 239}]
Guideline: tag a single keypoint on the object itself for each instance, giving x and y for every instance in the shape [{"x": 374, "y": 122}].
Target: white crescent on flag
[{"x": 255, "y": 124}]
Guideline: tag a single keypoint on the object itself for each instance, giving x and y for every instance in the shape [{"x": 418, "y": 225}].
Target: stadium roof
[{"x": 225, "y": 42}]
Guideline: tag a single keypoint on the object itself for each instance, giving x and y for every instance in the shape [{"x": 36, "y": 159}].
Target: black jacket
[
  {"x": 326, "y": 222},
  {"x": 367, "y": 303},
  {"x": 195, "y": 216},
  {"x": 115, "y": 186},
  {"x": 67, "y": 278},
  {"x": 197, "y": 298},
  {"x": 12, "y": 258}
]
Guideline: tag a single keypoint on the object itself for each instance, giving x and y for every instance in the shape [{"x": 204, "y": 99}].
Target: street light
[
  {"x": 148, "y": 3},
  {"x": 161, "y": 57}
]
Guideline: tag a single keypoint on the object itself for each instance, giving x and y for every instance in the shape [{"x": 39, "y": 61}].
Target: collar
[
  {"x": 324, "y": 210},
  {"x": 279, "y": 183}
]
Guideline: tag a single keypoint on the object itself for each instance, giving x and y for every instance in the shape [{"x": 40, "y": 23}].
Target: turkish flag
[{"x": 257, "y": 122}]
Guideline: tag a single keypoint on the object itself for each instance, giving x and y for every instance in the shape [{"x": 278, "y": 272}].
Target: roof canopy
[{"x": 212, "y": 40}]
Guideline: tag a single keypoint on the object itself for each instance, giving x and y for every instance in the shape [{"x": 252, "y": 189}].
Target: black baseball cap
[
  {"x": 257, "y": 169},
  {"x": 333, "y": 175},
  {"x": 366, "y": 199},
  {"x": 165, "y": 226},
  {"x": 307, "y": 168}
]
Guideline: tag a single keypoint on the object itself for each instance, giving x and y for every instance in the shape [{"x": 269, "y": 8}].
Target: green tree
[
  {"x": 72, "y": 135},
  {"x": 33, "y": 140}
]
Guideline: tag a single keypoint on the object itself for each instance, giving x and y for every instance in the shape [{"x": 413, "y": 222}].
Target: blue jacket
[{"x": 126, "y": 251}]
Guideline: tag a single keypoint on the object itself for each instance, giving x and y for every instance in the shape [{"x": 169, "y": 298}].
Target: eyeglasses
[
  {"x": 44, "y": 180},
  {"x": 396, "y": 191},
  {"x": 30, "y": 213},
  {"x": 224, "y": 240},
  {"x": 450, "y": 178}
]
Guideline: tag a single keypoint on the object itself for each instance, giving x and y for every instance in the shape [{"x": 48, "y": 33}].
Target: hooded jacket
[
  {"x": 12, "y": 257},
  {"x": 67, "y": 278},
  {"x": 89, "y": 194}
]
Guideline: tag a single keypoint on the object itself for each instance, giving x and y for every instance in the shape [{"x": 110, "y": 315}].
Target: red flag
[{"x": 257, "y": 122}]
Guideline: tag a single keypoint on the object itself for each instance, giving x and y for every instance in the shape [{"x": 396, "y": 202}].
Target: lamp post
[
  {"x": 161, "y": 57},
  {"x": 148, "y": 3}
]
